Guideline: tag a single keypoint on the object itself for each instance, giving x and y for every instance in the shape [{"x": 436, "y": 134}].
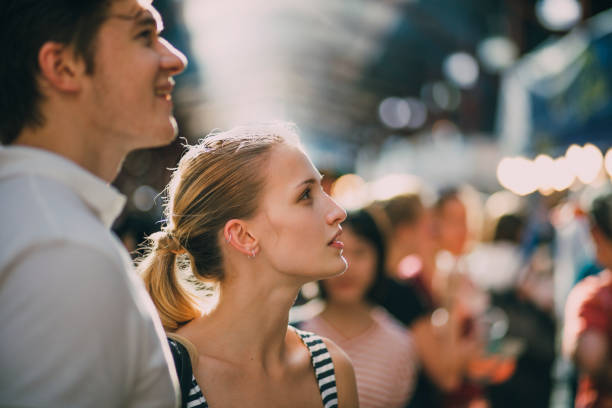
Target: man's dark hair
[{"x": 25, "y": 25}]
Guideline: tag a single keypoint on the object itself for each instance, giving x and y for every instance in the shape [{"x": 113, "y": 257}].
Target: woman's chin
[{"x": 342, "y": 266}]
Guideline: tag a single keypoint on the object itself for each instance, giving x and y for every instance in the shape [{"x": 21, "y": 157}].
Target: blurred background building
[{"x": 476, "y": 91}]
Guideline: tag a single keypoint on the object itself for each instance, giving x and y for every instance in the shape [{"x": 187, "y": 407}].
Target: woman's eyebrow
[{"x": 311, "y": 180}]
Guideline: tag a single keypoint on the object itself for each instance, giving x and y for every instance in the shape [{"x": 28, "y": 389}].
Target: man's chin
[
  {"x": 164, "y": 137},
  {"x": 175, "y": 129}
]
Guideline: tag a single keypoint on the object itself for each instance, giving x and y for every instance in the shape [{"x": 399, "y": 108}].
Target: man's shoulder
[{"x": 37, "y": 212}]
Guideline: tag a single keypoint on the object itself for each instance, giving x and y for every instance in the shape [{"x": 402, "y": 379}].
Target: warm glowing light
[
  {"x": 574, "y": 156},
  {"x": 504, "y": 172},
  {"x": 394, "y": 184},
  {"x": 544, "y": 169},
  {"x": 562, "y": 176},
  {"x": 584, "y": 162},
  {"x": 349, "y": 191},
  {"x": 517, "y": 175},
  {"x": 588, "y": 163},
  {"x": 608, "y": 161}
]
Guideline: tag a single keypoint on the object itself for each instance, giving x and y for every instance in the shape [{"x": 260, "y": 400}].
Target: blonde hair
[{"x": 218, "y": 179}]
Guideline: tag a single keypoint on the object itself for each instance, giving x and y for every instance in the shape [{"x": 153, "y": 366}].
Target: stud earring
[
  {"x": 252, "y": 255},
  {"x": 228, "y": 239}
]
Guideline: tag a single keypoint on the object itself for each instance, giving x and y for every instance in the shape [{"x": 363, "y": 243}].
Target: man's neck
[{"x": 98, "y": 158}]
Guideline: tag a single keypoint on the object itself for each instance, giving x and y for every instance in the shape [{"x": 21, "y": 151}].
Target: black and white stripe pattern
[
  {"x": 191, "y": 393},
  {"x": 321, "y": 361},
  {"x": 323, "y": 366},
  {"x": 196, "y": 398}
]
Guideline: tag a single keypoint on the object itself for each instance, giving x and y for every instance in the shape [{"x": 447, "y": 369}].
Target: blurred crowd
[
  {"x": 481, "y": 299},
  {"x": 446, "y": 303}
]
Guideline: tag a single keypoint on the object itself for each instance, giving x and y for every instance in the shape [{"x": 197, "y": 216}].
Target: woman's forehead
[{"x": 289, "y": 162}]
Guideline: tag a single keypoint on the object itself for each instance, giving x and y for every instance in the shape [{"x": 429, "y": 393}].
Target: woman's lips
[
  {"x": 337, "y": 244},
  {"x": 335, "y": 241}
]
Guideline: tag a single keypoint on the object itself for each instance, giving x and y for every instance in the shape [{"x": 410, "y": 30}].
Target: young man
[
  {"x": 587, "y": 335},
  {"x": 83, "y": 84}
]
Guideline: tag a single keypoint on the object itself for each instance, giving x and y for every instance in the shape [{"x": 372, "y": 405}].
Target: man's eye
[{"x": 148, "y": 35}]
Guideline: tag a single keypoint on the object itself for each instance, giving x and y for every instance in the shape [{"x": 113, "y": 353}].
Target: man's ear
[
  {"x": 59, "y": 67},
  {"x": 238, "y": 236}
]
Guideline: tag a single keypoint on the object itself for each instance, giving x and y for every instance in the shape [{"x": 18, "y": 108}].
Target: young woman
[
  {"x": 380, "y": 348},
  {"x": 246, "y": 209}
]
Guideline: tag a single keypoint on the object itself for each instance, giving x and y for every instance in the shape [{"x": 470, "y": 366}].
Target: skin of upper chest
[{"x": 227, "y": 385}]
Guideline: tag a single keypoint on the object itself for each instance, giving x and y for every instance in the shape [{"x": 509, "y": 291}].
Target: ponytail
[
  {"x": 175, "y": 304},
  {"x": 218, "y": 179}
]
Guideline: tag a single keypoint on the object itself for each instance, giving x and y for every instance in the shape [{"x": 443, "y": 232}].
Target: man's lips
[
  {"x": 165, "y": 90},
  {"x": 165, "y": 93}
]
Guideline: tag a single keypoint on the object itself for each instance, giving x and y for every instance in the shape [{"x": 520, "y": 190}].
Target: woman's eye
[{"x": 306, "y": 195}]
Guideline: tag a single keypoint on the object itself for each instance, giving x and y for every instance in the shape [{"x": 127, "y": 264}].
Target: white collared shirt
[{"x": 77, "y": 328}]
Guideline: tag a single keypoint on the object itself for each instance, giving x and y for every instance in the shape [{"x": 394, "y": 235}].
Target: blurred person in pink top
[{"x": 380, "y": 347}]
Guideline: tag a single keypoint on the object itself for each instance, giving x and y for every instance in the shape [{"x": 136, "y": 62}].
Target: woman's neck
[{"x": 249, "y": 322}]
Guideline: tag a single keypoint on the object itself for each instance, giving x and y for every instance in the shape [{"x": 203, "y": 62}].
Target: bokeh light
[
  {"x": 543, "y": 166},
  {"x": 462, "y": 69},
  {"x": 497, "y": 53},
  {"x": 418, "y": 113},
  {"x": 394, "y": 184},
  {"x": 143, "y": 198},
  {"x": 517, "y": 175},
  {"x": 558, "y": 14},
  {"x": 585, "y": 162},
  {"x": 395, "y": 112},
  {"x": 562, "y": 176}
]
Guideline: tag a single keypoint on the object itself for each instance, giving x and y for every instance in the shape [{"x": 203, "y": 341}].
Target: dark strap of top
[
  {"x": 323, "y": 367},
  {"x": 191, "y": 395}
]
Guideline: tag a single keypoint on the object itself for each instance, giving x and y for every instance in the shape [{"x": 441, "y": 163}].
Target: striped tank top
[{"x": 192, "y": 396}]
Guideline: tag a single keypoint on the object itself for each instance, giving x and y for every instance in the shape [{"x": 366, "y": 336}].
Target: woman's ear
[{"x": 237, "y": 235}]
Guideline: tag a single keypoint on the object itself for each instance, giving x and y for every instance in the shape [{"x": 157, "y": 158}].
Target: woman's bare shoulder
[{"x": 345, "y": 375}]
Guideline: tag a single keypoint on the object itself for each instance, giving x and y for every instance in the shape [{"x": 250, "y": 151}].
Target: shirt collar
[{"x": 105, "y": 201}]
